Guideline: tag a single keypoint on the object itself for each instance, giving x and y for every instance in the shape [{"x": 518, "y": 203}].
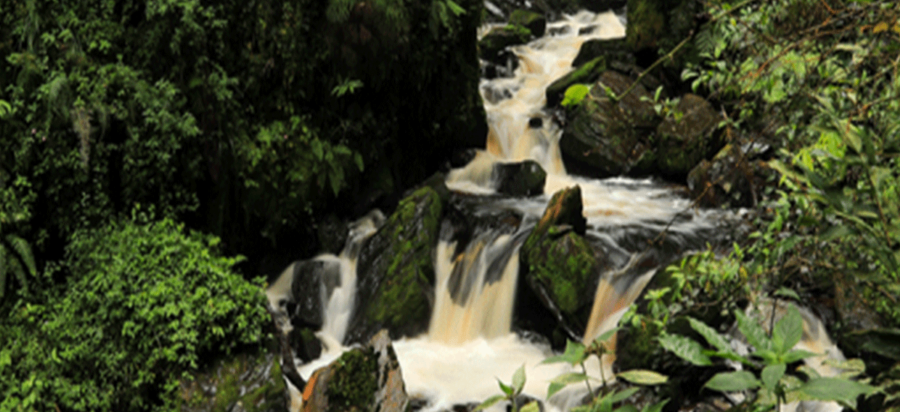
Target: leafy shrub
[{"x": 145, "y": 303}]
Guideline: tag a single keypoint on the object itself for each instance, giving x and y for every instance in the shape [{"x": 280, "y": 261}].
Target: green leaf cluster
[{"x": 146, "y": 302}]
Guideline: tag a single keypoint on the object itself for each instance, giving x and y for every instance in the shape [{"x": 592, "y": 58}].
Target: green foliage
[
  {"x": 354, "y": 380},
  {"x": 575, "y": 94},
  {"x": 772, "y": 354},
  {"x": 510, "y": 393},
  {"x": 145, "y": 303}
]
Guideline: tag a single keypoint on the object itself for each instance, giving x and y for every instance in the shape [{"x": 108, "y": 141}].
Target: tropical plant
[{"x": 771, "y": 355}]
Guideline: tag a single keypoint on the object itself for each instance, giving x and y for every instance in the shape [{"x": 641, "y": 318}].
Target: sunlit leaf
[
  {"x": 643, "y": 377},
  {"x": 834, "y": 389},
  {"x": 564, "y": 380},
  {"x": 788, "y": 331},
  {"x": 751, "y": 330},
  {"x": 733, "y": 381},
  {"x": 489, "y": 402},
  {"x": 686, "y": 349},
  {"x": 574, "y": 354},
  {"x": 518, "y": 380}
]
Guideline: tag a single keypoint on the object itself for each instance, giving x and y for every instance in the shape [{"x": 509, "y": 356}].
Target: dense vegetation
[
  {"x": 145, "y": 146},
  {"x": 142, "y": 143}
]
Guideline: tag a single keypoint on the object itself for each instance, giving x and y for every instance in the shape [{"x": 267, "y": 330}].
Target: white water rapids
[{"x": 470, "y": 344}]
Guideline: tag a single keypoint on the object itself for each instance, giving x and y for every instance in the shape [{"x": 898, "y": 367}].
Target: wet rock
[
  {"x": 519, "y": 179},
  {"x": 462, "y": 158},
  {"x": 535, "y": 122},
  {"x": 536, "y": 23},
  {"x": 305, "y": 344},
  {"x": 683, "y": 140},
  {"x": 246, "y": 382},
  {"x": 362, "y": 379},
  {"x": 660, "y": 25},
  {"x": 730, "y": 179},
  {"x": 616, "y": 51},
  {"x": 557, "y": 263},
  {"x": 332, "y": 234},
  {"x": 605, "y": 138},
  {"x": 493, "y": 44},
  {"x": 586, "y": 73},
  {"x": 312, "y": 280},
  {"x": 396, "y": 268}
]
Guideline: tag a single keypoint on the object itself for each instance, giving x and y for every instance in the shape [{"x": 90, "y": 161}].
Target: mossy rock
[
  {"x": 731, "y": 178},
  {"x": 396, "y": 268},
  {"x": 658, "y": 26},
  {"x": 519, "y": 179},
  {"x": 536, "y": 23},
  {"x": 687, "y": 137},
  {"x": 604, "y": 138},
  {"x": 558, "y": 264},
  {"x": 491, "y": 47},
  {"x": 616, "y": 51},
  {"x": 586, "y": 73},
  {"x": 248, "y": 382}
]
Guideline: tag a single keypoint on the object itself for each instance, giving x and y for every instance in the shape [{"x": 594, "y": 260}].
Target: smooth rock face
[
  {"x": 396, "y": 268},
  {"x": 362, "y": 379},
  {"x": 605, "y": 138},
  {"x": 313, "y": 279},
  {"x": 519, "y": 179}
]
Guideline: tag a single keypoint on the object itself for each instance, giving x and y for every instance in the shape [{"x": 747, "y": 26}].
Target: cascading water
[{"x": 469, "y": 343}]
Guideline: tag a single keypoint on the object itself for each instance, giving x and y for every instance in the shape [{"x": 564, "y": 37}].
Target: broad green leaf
[
  {"x": 788, "y": 331},
  {"x": 508, "y": 390},
  {"x": 564, "y": 380},
  {"x": 849, "y": 368},
  {"x": 489, "y": 402},
  {"x": 622, "y": 395},
  {"x": 732, "y": 381},
  {"x": 686, "y": 349},
  {"x": 574, "y": 354},
  {"x": 751, "y": 330},
  {"x": 575, "y": 94},
  {"x": 711, "y": 336},
  {"x": 796, "y": 355},
  {"x": 834, "y": 389},
  {"x": 772, "y": 374},
  {"x": 643, "y": 377},
  {"x": 518, "y": 380}
]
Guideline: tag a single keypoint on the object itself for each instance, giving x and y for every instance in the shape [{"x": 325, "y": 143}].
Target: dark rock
[
  {"x": 519, "y": 179},
  {"x": 535, "y": 122},
  {"x": 246, "y": 382},
  {"x": 396, "y": 268},
  {"x": 461, "y": 158},
  {"x": 686, "y": 138},
  {"x": 559, "y": 268},
  {"x": 493, "y": 44},
  {"x": 731, "y": 178},
  {"x": 616, "y": 51},
  {"x": 586, "y": 73},
  {"x": 536, "y": 23},
  {"x": 659, "y": 25},
  {"x": 332, "y": 234},
  {"x": 312, "y": 280},
  {"x": 305, "y": 344},
  {"x": 362, "y": 379},
  {"x": 605, "y": 138}
]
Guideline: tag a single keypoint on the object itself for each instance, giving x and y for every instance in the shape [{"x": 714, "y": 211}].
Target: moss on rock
[
  {"x": 558, "y": 262},
  {"x": 353, "y": 381},
  {"x": 396, "y": 268},
  {"x": 248, "y": 382}
]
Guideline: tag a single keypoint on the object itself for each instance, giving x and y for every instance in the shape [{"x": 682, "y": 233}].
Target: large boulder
[
  {"x": 395, "y": 283},
  {"x": 659, "y": 25},
  {"x": 536, "y": 23},
  {"x": 245, "y": 382},
  {"x": 558, "y": 264},
  {"x": 603, "y": 137},
  {"x": 362, "y": 379},
  {"x": 312, "y": 280},
  {"x": 616, "y": 51},
  {"x": 519, "y": 179},
  {"x": 492, "y": 47},
  {"x": 686, "y": 137},
  {"x": 588, "y": 72}
]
